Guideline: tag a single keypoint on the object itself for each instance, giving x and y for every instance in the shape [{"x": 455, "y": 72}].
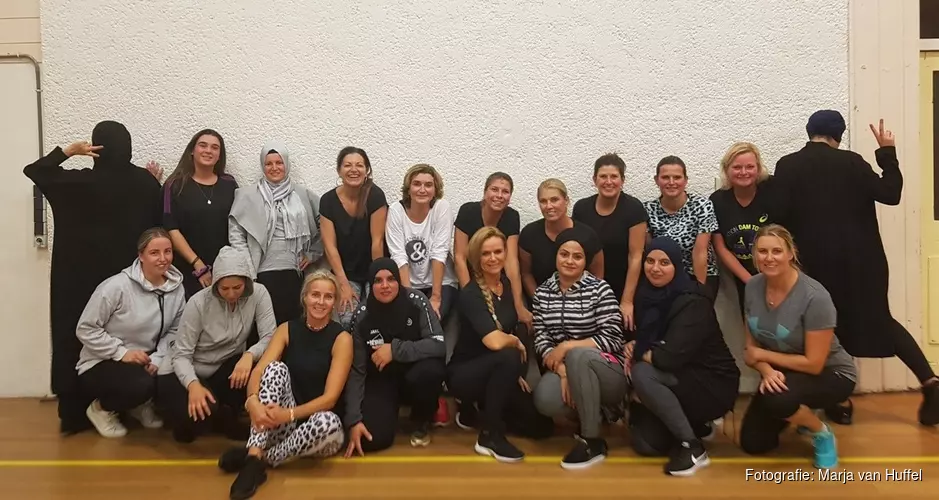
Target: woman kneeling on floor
[
  {"x": 489, "y": 362},
  {"x": 579, "y": 335},
  {"x": 126, "y": 331},
  {"x": 211, "y": 359},
  {"x": 679, "y": 366},
  {"x": 790, "y": 340},
  {"x": 293, "y": 390},
  {"x": 400, "y": 357}
]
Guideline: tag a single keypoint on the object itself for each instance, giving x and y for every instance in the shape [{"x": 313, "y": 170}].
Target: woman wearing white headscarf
[{"x": 278, "y": 223}]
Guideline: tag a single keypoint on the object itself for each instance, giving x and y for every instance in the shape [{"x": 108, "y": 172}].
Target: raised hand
[
  {"x": 83, "y": 148},
  {"x": 155, "y": 169},
  {"x": 884, "y": 137}
]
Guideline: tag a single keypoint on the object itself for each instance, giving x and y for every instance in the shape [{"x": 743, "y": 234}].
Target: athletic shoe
[
  {"x": 147, "y": 416},
  {"x": 929, "y": 409},
  {"x": 106, "y": 422},
  {"x": 687, "y": 459},
  {"x": 233, "y": 460},
  {"x": 442, "y": 417},
  {"x": 249, "y": 479},
  {"x": 497, "y": 446},
  {"x": 585, "y": 453},
  {"x": 826, "y": 448},
  {"x": 421, "y": 435},
  {"x": 467, "y": 417}
]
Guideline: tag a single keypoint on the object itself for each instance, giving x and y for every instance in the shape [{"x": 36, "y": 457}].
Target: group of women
[{"x": 322, "y": 316}]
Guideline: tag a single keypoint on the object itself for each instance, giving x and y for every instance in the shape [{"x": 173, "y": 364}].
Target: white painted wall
[{"x": 534, "y": 89}]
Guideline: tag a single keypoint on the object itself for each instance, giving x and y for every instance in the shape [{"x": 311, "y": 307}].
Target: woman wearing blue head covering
[
  {"x": 679, "y": 366},
  {"x": 277, "y": 221}
]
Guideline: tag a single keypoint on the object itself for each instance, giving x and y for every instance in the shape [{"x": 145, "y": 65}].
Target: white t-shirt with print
[{"x": 418, "y": 244}]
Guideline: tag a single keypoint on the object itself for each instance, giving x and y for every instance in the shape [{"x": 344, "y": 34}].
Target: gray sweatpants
[
  {"x": 593, "y": 382},
  {"x": 654, "y": 388}
]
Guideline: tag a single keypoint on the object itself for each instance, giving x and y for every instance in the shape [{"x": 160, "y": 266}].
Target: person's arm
[
  {"x": 699, "y": 254},
  {"x": 394, "y": 235},
  {"x": 684, "y": 335},
  {"x": 47, "y": 171},
  {"x": 377, "y": 225},
  {"x": 460, "y": 244},
  {"x": 265, "y": 321},
  {"x": 335, "y": 380},
  {"x": 190, "y": 327},
  {"x": 637, "y": 240},
  {"x": 888, "y": 187},
  {"x": 543, "y": 341},
  {"x": 750, "y": 345},
  {"x": 180, "y": 245},
  {"x": 275, "y": 349},
  {"x": 611, "y": 335},
  {"x": 512, "y": 271},
  {"x": 331, "y": 248},
  {"x": 729, "y": 259},
  {"x": 596, "y": 265},
  {"x": 431, "y": 343},
  {"x": 90, "y": 329},
  {"x": 819, "y": 322},
  {"x": 473, "y": 308},
  {"x": 168, "y": 339},
  {"x": 355, "y": 386},
  {"x": 441, "y": 244},
  {"x": 528, "y": 279}
]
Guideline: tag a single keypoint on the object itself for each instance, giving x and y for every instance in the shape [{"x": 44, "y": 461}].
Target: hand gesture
[
  {"x": 199, "y": 399},
  {"x": 83, "y": 148},
  {"x": 773, "y": 381},
  {"x": 136, "y": 357},
  {"x": 239, "y": 376},
  {"x": 260, "y": 418},
  {"x": 381, "y": 356},
  {"x": 155, "y": 169},
  {"x": 884, "y": 137},
  {"x": 356, "y": 434},
  {"x": 628, "y": 320}
]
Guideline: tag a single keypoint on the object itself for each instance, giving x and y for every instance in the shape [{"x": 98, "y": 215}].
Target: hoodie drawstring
[{"x": 159, "y": 295}]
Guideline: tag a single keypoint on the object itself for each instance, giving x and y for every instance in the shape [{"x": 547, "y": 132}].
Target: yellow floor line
[{"x": 463, "y": 459}]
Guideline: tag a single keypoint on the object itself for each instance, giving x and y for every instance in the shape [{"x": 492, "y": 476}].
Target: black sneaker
[
  {"x": 234, "y": 459},
  {"x": 497, "y": 446},
  {"x": 840, "y": 414},
  {"x": 420, "y": 436},
  {"x": 929, "y": 409},
  {"x": 687, "y": 459},
  {"x": 251, "y": 477},
  {"x": 586, "y": 452},
  {"x": 184, "y": 434},
  {"x": 467, "y": 417}
]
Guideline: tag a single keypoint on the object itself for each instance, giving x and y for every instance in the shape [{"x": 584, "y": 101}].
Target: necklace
[
  {"x": 208, "y": 199},
  {"x": 316, "y": 329}
]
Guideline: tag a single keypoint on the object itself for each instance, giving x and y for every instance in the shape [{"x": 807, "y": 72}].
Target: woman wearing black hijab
[
  {"x": 399, "y": 358},
  {"x": 99, "y": 214},
  {"x": 679, "y": 365}
]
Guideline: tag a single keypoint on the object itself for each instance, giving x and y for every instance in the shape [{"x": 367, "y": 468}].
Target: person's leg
[
  {"x": 423, "y": 386},
  {"x": 913, "y": 357},
  {"x": 741, "y": 295},
  {"x": 380, "y": 406},
  {"x": 648, "y": 435},
  {"x": 548, "y": 400},
  {"x": 230, "y": 401},
  {"x": 711, "y": 286},
  {"x": 173, "y": 400},
  {"x": 759, "y": 431},
  {"x": 320, "y": 435},
  {"x": 284, "y": 287},
  {"x": 119, "y": 387}
]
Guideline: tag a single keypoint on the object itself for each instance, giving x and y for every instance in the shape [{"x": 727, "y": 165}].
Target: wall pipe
[{"x": 39, "y": 205}]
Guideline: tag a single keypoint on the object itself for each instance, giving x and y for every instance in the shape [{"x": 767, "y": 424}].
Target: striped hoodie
[{"x": 588, "y": 310}]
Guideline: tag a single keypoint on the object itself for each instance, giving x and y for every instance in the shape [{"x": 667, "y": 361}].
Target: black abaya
[
  {"x": 99, "y": 214},
  {"x": 827, "y": 201}
]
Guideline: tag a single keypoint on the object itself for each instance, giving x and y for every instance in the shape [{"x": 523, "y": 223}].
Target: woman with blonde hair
[
  {"x": 293, "y": 390},
  {"x": 742, "y": 206},
  {"x": 790, "y": 340},
  {"x": 489, "y": 361},
  {"x": 537, "y": 246}
]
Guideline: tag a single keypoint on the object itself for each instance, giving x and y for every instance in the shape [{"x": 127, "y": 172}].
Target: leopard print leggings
[{"x": 320, "y": 435}]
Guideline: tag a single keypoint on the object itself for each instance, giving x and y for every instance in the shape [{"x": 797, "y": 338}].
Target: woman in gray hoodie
[
  {"x": 211, "y": 357},
  {"x": 126, "y": 331},
  {"x": 277, "y": 222}
]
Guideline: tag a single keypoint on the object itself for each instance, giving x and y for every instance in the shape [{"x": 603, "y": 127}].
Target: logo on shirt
[
  {"x": 416, "y": 251},
  {"x": 375, "y": 340}
]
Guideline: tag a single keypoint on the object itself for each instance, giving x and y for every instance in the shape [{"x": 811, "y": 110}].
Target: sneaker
[
  {"x": 184, "y": 434},
  {"x": 467, "y": 417},
  {"x": 826, "y": 448},
  {"x": 234, "y": 459},
  {"x": 929, "y": 409},
  {"x": 442, "y": 417},
  {"x": 106, "y": 422},
  {"x": 840, "y": 414},
  {"x": 585, "y": 453},
  {"x": 250, "y": 478},
  {"x": 420, "y": 437},
  {"x": 497, "y": 446},
  {"x": 687, "y": 459},
  {"x": 147, "y": 416},
  {"x": 706, "y": 431}
]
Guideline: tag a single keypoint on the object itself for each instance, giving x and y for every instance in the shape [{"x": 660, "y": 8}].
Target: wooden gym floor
[{"x": 35, "y": 463}]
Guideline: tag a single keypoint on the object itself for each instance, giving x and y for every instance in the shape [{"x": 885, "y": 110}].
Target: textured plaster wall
[{"x": 537, "y": 89}]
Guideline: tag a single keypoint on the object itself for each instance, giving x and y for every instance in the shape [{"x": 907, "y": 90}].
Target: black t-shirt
[
  {"x": 308, "y": 356},
  {"x": 476, "y": 321},
  {"x": 738, "y": 225},
  {"x": 203, "y": 224},
  {"x": 469, "y": 219},
  {"x": 544, "y": 250},
  {"x": 613, "y": 231},
  {"x": 353, "y": 236}
]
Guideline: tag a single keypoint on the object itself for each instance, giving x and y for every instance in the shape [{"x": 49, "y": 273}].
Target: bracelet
[
  {"x": 249, "y": 399},
  {"x": 201, "y": 272},
  {"x": 193, "y": 263},
  {"x": 291, "y": 415}
]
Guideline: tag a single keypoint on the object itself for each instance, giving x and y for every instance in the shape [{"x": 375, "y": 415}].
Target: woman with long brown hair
[{"x": 197, "y": 198}]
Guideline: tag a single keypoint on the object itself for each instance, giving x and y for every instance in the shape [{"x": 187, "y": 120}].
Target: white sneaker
[
  {"x": 106, "y": 422},
  {"x": 147, "y": 416}
]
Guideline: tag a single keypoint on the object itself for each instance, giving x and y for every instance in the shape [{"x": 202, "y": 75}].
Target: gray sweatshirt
[
  {"x": 126, "y": 313},
  {"x": 211, "y": 331}
]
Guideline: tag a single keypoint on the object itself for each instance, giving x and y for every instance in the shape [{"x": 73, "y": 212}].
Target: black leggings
[
  {"x": 491, "y": 382},
  {"x": 910, "y": 353},
  {"x": 417, "y": 384},
  {"x": 766, "y": 416},
  {"x": 119, "y": 386},
  {"x": 285, "y": 287},
  {"x": 174, "y": 398}
]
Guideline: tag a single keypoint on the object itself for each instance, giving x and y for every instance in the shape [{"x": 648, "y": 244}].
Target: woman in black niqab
[{"x": 99, "y": 213}]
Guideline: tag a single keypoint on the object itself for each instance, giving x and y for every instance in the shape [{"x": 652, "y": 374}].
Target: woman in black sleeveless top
[{"x": 293, "y": 390}]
